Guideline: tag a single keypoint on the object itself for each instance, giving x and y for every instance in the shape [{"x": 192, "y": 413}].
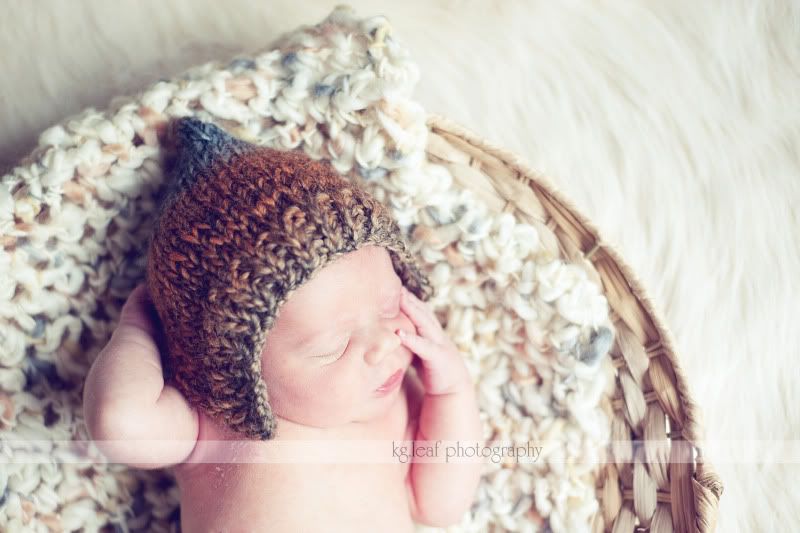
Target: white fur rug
[{"x": 675, "y": 127}]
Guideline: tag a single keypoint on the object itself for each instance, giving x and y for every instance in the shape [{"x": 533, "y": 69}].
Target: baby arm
[
  {"x": 440, "y": 492},
  {"x": 125, "y": 399}
]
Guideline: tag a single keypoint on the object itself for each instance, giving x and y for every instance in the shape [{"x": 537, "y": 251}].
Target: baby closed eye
[
  {"x": 342, "y": 349},
  {"x": 335, "y": 355}
]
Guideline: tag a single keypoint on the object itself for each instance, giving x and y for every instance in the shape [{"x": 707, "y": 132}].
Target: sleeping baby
[{"x": 287, "y": 310}]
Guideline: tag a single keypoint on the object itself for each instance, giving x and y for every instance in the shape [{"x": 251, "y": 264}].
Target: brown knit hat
[{"x": 238, "y": 229}]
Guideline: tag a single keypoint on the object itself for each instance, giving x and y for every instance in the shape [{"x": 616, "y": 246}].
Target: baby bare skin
[{"x": 332, "y": 347}]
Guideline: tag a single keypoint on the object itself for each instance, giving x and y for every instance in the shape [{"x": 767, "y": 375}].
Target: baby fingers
[
  {"x": 442, "y": 369},
  {"x": 421, "y": 346},
  {"x": 423, "y": 318}
]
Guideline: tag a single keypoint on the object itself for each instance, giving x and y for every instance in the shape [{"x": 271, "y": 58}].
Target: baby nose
[
  {"x": 385, "y": 341},
  {"x": 384, "y": 344}
]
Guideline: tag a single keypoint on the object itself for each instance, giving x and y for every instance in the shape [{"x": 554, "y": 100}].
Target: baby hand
[
  {"x": 440, "y": 494},
  {"x": 443, "y": 369}
]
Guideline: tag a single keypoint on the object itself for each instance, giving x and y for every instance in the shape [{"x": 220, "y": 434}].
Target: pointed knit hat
[{"x": 239, "y": 228}]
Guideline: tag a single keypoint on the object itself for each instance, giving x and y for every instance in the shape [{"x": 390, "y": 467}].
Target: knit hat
[{"x": 239, "y": 227}]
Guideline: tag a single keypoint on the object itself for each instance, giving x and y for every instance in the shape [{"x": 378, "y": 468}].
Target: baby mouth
[{"x": 391, "y": 382}]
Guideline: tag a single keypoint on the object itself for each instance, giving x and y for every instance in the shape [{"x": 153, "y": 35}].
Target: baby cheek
[
  {"x": 309, "y": 385},
  {"x": 287, "y": 386},
  {"x": 342, "y": 386},
  {"x": 309, "y": 390}
]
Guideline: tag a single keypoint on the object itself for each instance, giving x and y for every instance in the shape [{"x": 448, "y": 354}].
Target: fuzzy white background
[{"x": 674, "y": 125}]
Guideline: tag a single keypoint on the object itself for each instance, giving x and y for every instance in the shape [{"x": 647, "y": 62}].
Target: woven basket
[{"x": 652, "y": 401}]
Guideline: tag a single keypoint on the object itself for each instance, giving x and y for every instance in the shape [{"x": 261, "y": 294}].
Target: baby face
[{"x": 333, "y": 344}]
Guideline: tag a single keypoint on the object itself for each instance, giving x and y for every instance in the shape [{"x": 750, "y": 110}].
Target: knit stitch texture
[{"x": 240, "y": 227}]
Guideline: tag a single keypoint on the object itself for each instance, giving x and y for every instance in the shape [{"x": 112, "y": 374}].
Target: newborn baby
[{"x": 326, "y": 348}]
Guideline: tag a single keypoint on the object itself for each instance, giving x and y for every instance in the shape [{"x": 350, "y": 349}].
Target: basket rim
[{"x": 691, "y": 430}]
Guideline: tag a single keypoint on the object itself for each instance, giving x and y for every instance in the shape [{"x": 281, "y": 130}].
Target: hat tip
[
  {"x": 192, "y": 147},
  {"x": 187, "y": 130},
  {"x": 194, "y": 137}
]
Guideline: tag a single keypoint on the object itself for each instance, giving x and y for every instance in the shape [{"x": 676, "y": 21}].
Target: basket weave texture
[{"x": 667, "y": 483}]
